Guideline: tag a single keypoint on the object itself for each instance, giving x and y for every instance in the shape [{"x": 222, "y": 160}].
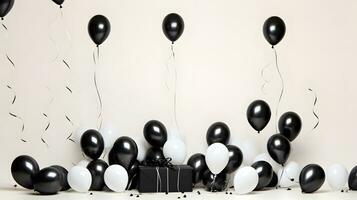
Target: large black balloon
[
  {"x": 133, "y": 175},
  {"x": 97, "y": 169},
  {"x": 290, "y": 125},
  {"x": 258, "y": 114},
  {"x": 63, "y": 173},
  {"x": 274, "y": 30},
  {"x": 214, "y": 184},
  {"x": 199, "y": 166},
  {"x": 218, "y": 132},
  {"x": 279, "y": 148},
  {"x": 312, "y": 177},
  {"x": 124, "y": 152},
  {"x": 58, "y": 2},
  {"x": 352, "y": 179},
  {"x": 265, "y": 173},
  {"x": 155, "y": 133},
  {"x": 235, "y": 159},
  {"x": 47, "y": 181},
  {"x": 5, "y": 7},
  {"x": 23, "y": 168},
  {"x": 92, "y": 144},
  {"x": 154, "y": 155},
  {"x": 99, "y": 29},
  {"x": 173, "y": 26},
  {"x": 274, "y": 181}
]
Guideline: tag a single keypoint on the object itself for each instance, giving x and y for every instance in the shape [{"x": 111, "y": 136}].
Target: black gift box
[{"x": 177, "y": 178}]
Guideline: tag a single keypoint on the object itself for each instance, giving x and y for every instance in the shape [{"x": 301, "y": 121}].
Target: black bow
[{"x": 159, "y": 163}]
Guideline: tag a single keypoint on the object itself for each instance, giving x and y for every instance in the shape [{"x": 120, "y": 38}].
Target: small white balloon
[
  {"x": 83, "y": 163},
  {"x": 116, "y": 178},
  {"x": 266, "y": 157},
  {"x": 249, "y": 150},
  {"x": 175, "y": 149},
  {"x": 109, "y": 134},
  {"x": 245, "y": 180},
  {"x": 79, "y": 178},
  {"x": 337, "y": 176},
  {"x": 143, "y": 146},
  {"x": 289, "y": 175},
  {"x": 217, "y": 157}
]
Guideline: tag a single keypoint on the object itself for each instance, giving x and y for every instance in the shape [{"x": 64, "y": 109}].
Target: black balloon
[
  {"x": 199, "y": 166},
  {"x": 5, "y": 7},
  {"x": 47, "y": 181},
  {"x": 173, "y": 26},
  {"x": 154, "y": 155},
  {"x": 214, "y": 184},
  {"x": 63, "y": 173},
  {"x": 92, "y": 144},
  {"x": 274, "y": 181},
  {"x": 290, "y": 125},
  {"x": 58, "y": 2},
  {"x": 312, "y": 177},
  {"x": 265, "y": 173},
  {"x": 352, "y": 179},
  {"x": 155, "y": 133},
  {"x": 124, "y": 152},
  {"x": 218, "y": 132},
  {"x": 274, "y": 30},
  {"x": 235, "y": 159},
  {"x": 97, "y": 169},
  {"x": 279, "y": 148},
  {"x": 133, "y": 175},
  {"x": 99, "y": 29},
  {"x": 258, "y": 114},
  {"x": 23, "y": 168}
]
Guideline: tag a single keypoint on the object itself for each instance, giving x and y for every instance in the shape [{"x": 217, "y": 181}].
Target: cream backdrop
[{"x": 219, "y": 58}]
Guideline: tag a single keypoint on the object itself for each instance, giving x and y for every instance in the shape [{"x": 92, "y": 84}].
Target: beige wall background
[{"x": 219, "y": 58}]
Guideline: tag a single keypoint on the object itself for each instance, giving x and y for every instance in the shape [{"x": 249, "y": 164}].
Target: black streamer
[
  {"x": 313, "y": 110},
  {"x": 100, "y": 118},
  {"x": 45, "y": 130}
]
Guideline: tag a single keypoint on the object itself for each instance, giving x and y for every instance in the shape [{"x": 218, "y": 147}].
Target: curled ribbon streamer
[
  {"x": 96, "y": 61},
  {"x": 48, "y": 121},
  {"x": 266, "y": 81},
  {"x": 313, "y": 109},
  {"x": 282, "y": 88}
]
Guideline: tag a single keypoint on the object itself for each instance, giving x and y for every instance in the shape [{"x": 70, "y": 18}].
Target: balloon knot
[
  {"x": 97, "y": 45},
  {"x": 2, "y": 18},
  {"x": 61, "y": 7},
  {"x": 272, "y": 46}
]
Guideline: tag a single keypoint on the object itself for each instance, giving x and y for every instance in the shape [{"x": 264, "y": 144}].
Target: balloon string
[
  {"x": 178, "y": 178},
  {"x": 282, "y": 89},
  {"x": 100, "y": 118},
  {"x": 214, "y": 180},
  {"x": 281, "y": 177},
  {"x": 313, "y": 110},
  {"x": 266, "y": 81},
  {"x": 173, "y": 84}
]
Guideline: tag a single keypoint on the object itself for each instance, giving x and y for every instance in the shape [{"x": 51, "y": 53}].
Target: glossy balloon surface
[
  {"x": 274, "y": 30},
  {"x": 173, "y": 26},
  {"x": 258, "y": 114},
  {"x": 290, "y": 125},
  {"x": 23, "y": 168},
  {"x": 97, "y": 169},
  {"x": 218, "y": 132},
  {"x": 124, "y": 152},
  {"x": 47, "y": 181},
  {"x": 92, "y": 144},
  {"x": 199, "y": 166},
  {"x": 155, "y": 133},
  {"x": 279, "y": 148},
  {"x": 312, "y": 177}
]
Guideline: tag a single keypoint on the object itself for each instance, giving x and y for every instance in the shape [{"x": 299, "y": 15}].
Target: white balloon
[
  {"x": 175, "y": 149},
  {"x": 83, "y": 163},
  {"x": 266, "y": 157},
  {"x": 116, "y": 178},
  {"x": 290, "y": 176},
  {"x": 337, "y": 176},
  {"x": 245, "y": 180},
  {"x": 143, "y": 146},
  {"x": 79, "y": 132},
  {"x": 79, "y": 178},
  {"x": 217, "y": 157},
  {"x": 249, "y": 150},
  {"x": 109, "y": 134}
]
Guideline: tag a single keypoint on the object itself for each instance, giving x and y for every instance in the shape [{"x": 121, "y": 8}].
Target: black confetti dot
[
  {"x": 137, "y": 196},
  {"x": 226, "y": 192},
  {"x": 198, "y": 192},
  {"x": 131, "y": 195},
  {"x": 230, "y": 193},
  {"x": 184, "y": 196},
  {"x": 342, "y": 191},
  {"x": 289, "y": 189},
  {"x": 15, "y": 185},
  {"x": 166, "y": 193},
  {"x": 91, "y": 193},
  {"x": 179, "y": 197}
]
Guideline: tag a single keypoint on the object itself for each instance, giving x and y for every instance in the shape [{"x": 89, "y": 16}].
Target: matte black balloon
[
  {"x": 92, "y": 144},
  {"x": 274, "y": 181},
  {"x": 265, "y": 173},
  {"x": 23, "y": 168},
  {"x": 63, "y": 173},
  {"x": 124, "y": 152},
  {"x": 155, "y": 133},
  {"x": 312, "y": 177},
  {"x": 99, "y": 29},
  {"x": 58, "y": 2},
  {"x": 235, "y": 159},
  {"x": 47, "y": 181},
  {"x": 352, "y": 179},
  {"x": 215, "y": 184},
  {"x": 274, "y": 30},
  {"x": 199, "y": 166},
  {"x": 218, "y": 132},
  {"x": 279, "y": 148},
  {"x": 5, "y": 7},
  {"x": 173, "y": 26},
  {"x": 290, "y": 125},
  {"x": 133, "y": 175},
  {"x": 258, "y": 114},
  {"x": 153, "y": 155},
  {"x": 97, "y": 169}
]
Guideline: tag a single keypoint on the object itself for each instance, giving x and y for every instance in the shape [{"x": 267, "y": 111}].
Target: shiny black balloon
[
  {"x": 312, "y": 177},
  {"x": 58, "y": 2},
  {"x": 47, "y": 181},
  {"x": 290, "y": 125},
  {"x": 352, "y": 179},
  {"x": 23, "y": 168},
  {"x": 198, "y": 163},
  {"x": 5, "y": 7},
  {"x": 92, "y": 144},
  {"x": 99, "y": 29},
  {"x": 155, "y": 133},
  {"x": 274, "y": 181},
  {"x": 133, "y": 176},
  {"x": 218, "y": 132},
  {"x": 124, "y": 152},
  {"x": 258, "y": 114},
  {"x": 173, "y": 26},
  {"x": 274, "y": 30},
  {"x": 215, "y": 184},
  {"x": 63, "y": 173},
  {"x": 154, "y": 155},
  {"x": 279, "y": 148},
  {"x": 97, "y": 169},
  {"x": 265, "y": 173},
  {"x": 235, "y": 159}
]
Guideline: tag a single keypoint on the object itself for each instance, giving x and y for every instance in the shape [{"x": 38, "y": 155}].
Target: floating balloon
[
  {"x": 99, "y": 29},
  {"x": 289, "y": 174},
  {"x": 116, "y": 178},
  {"x": 258, "y": 114},
  {"x": 235, "y": 159},
  {"x": 199, "y": 166},
  {"x": 63, "y": 175},
  {"x": 266, "y": 157},
  {"x": 290, "y": 125},
  {"x": 97, "y": 169},
  {"x": 124, "y": 152},
  {"x": 337, "y": 176},
  {"x": 279, "y": 148},
  {"x": 265, "y": 173},
  {"x": 352, "y": 179},
  {"x": 23, "y": 168},
  {"x": 79, "y": 178},
  {"x": 173, "y": 26},
  {"x": 58, "y": 2},
  {"x": 274, "y": 30},
  {"x": 5, "y": 7},
  {"x": 250, "y": 151},
  {"x": 245, "y": 180},
  {"x": 312, "y": 177},
  {"x": 155, "y": 133},
  {"x": 274, "y": 181},
  {"x": 47, "y": 181},
  {"x": 214, "y": 183},
  {"x": 175, "y": 149},
  {"x": 218, "y": 132},
  {"x": 92, "y": 144},
  {"x": 217, "y": 157},
  {"x": 154, "y": 155}
]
